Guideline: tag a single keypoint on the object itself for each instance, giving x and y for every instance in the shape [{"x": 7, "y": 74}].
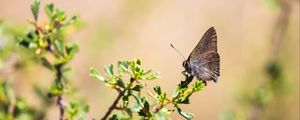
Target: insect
[{"x": 204, "y": 60}]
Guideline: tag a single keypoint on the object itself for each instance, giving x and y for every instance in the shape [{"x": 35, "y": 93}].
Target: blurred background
[{"x": 251, "y": 34}]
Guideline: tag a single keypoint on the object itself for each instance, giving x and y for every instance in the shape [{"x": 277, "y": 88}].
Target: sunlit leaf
[
  {"x": 96, "y": 74},
  {"x": 35, "y": 9},
  {"x": 109, "y": 70},
  {"x": 49, "y": 8},
  {"x": 186, "y": 115}
]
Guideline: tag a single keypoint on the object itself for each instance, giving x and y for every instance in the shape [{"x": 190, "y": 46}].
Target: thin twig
[
  {"x": 60, "y": 99},
  {"x": 114, "y": 105},
  {"x": 185, "y": 83}
]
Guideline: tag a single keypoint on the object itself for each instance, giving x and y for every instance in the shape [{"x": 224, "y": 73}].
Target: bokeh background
[{"x": 125, "y": 29}]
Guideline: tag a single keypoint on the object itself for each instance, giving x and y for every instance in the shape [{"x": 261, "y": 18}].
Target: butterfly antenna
[{"x": 177, "y": 51}]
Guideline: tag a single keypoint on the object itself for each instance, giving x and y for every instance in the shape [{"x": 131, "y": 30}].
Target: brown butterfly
[{"x": 204, "y": 61}]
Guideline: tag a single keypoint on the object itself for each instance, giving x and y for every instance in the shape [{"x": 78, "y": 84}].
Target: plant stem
[
  {"x": 60, "y": 99},
  {"x": 114, "y": 105},
  {"x": 185, "y": 83}
]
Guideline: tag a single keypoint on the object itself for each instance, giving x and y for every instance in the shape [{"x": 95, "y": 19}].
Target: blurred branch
[
  {"x": 280, "y": 27},
  {"x": 60, "y": 99}
]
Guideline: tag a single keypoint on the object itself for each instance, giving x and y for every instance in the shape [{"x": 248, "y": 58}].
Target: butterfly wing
[
  {"x": 204, "y": 61},
  {"x": 208, "y": 42}
]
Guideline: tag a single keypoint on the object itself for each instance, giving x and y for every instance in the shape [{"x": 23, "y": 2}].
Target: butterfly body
[{"x": 204, "y": 60}]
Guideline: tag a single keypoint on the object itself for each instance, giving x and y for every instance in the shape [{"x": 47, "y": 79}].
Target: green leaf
[
  {"x": 146, "y": 105},
  {"x": 49, "y": 8},
  {"x": 123, "y": 66},
  {"x": 151, "y": 76},
  {"x": 24, "y": 43},
  {"x": 184, "y": 100},
  {"x": 109, "y": 70},
  {"x": 114, "y": 117},
  {"x": 96, "y": 74},
  {"x": 138, "y": 61},
  {"x": 125, "y": 98},
  {"x": 71, "y": 50},
  {"x": 35, "y": 9},
  {"x": 186, "y": 115},
  {"x": 168, "y": 111},
  {"x": 199, "y": 85},
  {"x": 59, "y": 45},
  {"x": 157, "y": 89},
  {"x": 138, "y": 88},
  {"x": 60, "y": 15},
  {"x": 46, "y": 63},
  {"x": 31, "y": 36},
  {"x": 120, "y": 83}
]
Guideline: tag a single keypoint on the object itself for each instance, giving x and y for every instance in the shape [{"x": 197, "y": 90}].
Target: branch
[
  {"x": 114, "y": 105},
  {"x": 185, "y": 83},
  {"x": 60, "y": 99}
]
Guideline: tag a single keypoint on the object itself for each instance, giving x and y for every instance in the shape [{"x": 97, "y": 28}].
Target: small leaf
[
  {"x": 46, "y": 63},
  {"x": 120, "y": 83},
  {"x": 71, "y": 50},
  {"x": 138, "y": 88},
  {"x": 96, "y": 74},
  {"x": 146, "y": 105},
  {"x": 186, "y": 115},
  {"x": 35, "y": 9},
  {"x": 49, "y": 8},
  {"x": 60, "y": 15},
  {"x": 114, "y": 117},
  {"x": 184, "y": 100},
  {"x": 168, "y": 111},
  {"x": 59, "y": 45},
  {"x": 123, "y": 66},
  {"x": 199, "y": 85},
  {"x": 24, "y": 43},
  {"x": 157, "y": 89},
  {"x": 151, "y": 76},
  {"x": 138, "y": 61},
  {"x": 109, "y": 70}
]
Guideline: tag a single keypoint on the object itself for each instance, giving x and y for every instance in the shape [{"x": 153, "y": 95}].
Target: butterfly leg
[{"x": 185, "y": 73}]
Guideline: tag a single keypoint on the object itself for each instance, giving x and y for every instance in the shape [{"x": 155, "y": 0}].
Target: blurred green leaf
[
  {"x": 151, "y": 76},
  {"x": 59, "y": 45},
  {"x": 24, "y": 43},
  {"x": 60, "y": 15},
  {"x": 109, "y": 70},
  {"x": 120, "y": 83},
  {"x": 71, "y": 50},
  {"x": 77, "y": 110},
  {"x": 138, "y": 88},
  {"x": 35, "y": 9},
  {"x": 96, "y": 74},
  {"x": 123, "y": 66},
  {"x": 186, "y": 115},
  {"x": 46, "y": 63},
  {"x": 49, "y": 8},
  {"x": 199, "y": 85},
  {"x": 157, "y": 89}
]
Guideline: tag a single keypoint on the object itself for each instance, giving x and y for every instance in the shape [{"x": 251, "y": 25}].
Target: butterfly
[{"x": 204, "y": 60}]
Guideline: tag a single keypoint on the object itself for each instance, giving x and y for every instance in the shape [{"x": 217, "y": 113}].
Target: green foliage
[
  {"x": 77, "y": 110},
  {"x": 13, "y": 107},
  {"x": 48, "y": 44},
  {"x": 134, "y": 87},
  {"x": 35, "y": 9},
  {"x": 263, "y": 97},
  {"x": 271, "y": 4}
]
